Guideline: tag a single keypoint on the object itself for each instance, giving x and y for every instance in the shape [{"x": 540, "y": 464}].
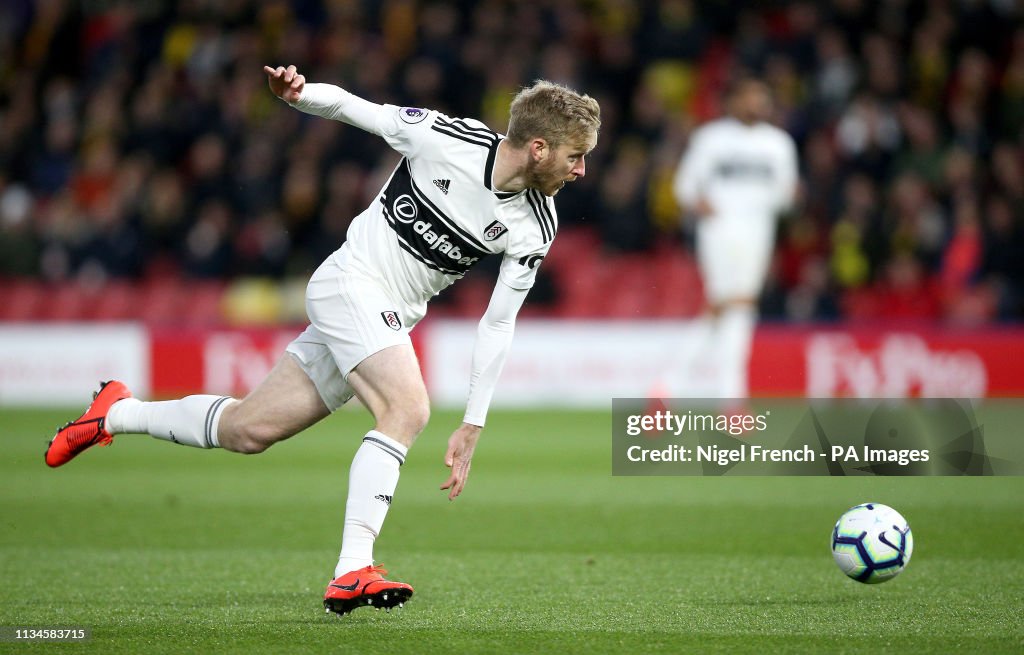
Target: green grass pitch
[{"x": 164, "y": 549}]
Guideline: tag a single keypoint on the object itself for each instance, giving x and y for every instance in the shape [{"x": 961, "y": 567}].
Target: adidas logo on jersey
[{"x": 443, "y": 185}]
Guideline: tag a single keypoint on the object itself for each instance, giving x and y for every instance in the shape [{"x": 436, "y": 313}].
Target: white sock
[
  {"x": 371, "y": 485},
  {"x": 191, "y": 421},
  {"x": 735, "y": 333},
  {"x": 702, "y": 363}
]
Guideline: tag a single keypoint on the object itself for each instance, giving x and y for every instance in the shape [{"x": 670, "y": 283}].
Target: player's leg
[
  {"x": 735, "y": 320},
  {"x": 736, "y": 317},
  {"x": 733, "y": 263},
  {"x": 360, "y": 343},
  {"x": 713, "y": 257},
  {"x": 285, "y": 403},
  {"x": 391, "y": 386}
]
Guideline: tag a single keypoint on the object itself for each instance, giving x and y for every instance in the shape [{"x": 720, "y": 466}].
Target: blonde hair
[{"x": 552, "y": 112}]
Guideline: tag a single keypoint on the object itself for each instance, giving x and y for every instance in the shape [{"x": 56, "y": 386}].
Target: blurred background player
[
  {"x": 737, "y": 175},
  {"x": 460, "y": 192}
]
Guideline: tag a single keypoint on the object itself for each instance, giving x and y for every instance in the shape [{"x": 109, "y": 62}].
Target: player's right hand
[{"x": 285, "y": 83}]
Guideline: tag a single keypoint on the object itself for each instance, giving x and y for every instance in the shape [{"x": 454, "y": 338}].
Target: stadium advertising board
[
  {"x": 586, "y": 364},
  {"x": 221, "y": 361},
  {"x": 44, "y": 364},
  {"x": 554, "y": 363}
]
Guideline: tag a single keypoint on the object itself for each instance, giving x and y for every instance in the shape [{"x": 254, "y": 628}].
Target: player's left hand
[{"x": 459, "y": 456}]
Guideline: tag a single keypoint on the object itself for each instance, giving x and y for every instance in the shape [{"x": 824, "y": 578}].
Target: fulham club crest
[
  {"x": 494, "y": 230},
  {"x": 392, "y": 320}
]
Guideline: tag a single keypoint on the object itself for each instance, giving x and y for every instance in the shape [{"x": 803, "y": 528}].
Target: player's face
[
  {"x": 752, "y": 102},
  {"x": 562, "y": 164}
]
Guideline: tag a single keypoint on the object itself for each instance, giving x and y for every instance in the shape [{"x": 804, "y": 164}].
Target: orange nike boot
[
  {"x": 88, "y": 429},
  {"x": 365, "y": 586}
]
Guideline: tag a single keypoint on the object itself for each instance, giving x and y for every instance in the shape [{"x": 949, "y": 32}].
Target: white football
[{"x": 872, "y": 543}]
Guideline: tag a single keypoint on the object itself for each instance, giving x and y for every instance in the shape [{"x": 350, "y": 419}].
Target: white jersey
[
  {"x": 439, "y": 214},
  {"x": 747, "y": 173},
  {"x": 436, "y": 217}
]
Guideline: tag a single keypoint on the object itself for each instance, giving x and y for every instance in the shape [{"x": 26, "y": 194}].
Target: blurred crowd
[{"x": 138, "y": 138}]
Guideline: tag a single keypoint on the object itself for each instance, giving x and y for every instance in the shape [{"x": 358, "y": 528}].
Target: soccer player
[
  {"x": 461, "y": 192},
  {"x": 737, "y": 175}
]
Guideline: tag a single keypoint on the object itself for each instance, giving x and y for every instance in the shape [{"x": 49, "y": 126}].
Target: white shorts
[
  {"x": 733, "y": 260},
  {"x": 351, "y": 317}
]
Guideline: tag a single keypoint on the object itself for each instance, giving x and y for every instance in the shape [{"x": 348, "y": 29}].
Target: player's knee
[
  {"x": 261, "y": 437},
  {"x": 406, "y": 420},
  {"x": 419, "y": 416},
  {"x": 414, "y": 418},
  {"x": 252, "y": 438},
  {"x": 242, "y": 431}
]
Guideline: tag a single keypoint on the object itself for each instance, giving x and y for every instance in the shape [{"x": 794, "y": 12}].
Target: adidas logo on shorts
[
  {"x": 382, "y": 497},
  {"x": 443, "y": 185}
]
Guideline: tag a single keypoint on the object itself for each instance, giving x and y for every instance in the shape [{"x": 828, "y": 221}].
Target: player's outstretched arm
[{"x": 324, "y": 100}]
